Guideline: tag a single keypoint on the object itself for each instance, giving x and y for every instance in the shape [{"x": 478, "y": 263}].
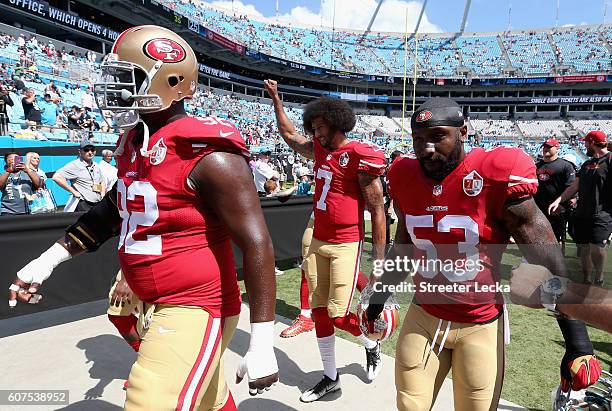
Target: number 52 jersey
[
  {"x": 171, "y": 249},
  {"x": 338, "y": 203},
  {"x": 457, "y": 229}
]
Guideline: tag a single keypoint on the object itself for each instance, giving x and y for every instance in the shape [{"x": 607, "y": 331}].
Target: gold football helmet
[{"x": 148, "y": 69}]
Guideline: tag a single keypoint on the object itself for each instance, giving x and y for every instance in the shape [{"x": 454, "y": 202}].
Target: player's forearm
[
  {"x": 570, "y": 191},
  {"x": 534, "y": 236},
  {"x": 260, "y": 280},
  {"x": 598, "y": 315},
  {"x": 379, "y": 233},
  {"x": 286, "y": 129}
]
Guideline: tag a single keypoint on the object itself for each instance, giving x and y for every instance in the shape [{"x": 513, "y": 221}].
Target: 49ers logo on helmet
[
  {"x": 166, "y": 50},
  {"x": 423, "y": 116}
]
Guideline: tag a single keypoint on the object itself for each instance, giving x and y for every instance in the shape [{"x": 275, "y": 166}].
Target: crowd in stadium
[{"x": 531, "y": 52}]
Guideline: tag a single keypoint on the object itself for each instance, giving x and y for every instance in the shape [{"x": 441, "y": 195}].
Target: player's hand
[
  {"x": 525, "y": 281},
  {"x": 122, "y": 294},
  {"x": 373, "y": 306},
  {"x": 18, "y": 167},
  {"x": 76, "y": 194},
  {"x": 259, "y": 363},
  {"x": 579, "y": 373},
  {"x": 271, "y": 88},
  {"x": 553, "y": 206},
  {"x": 30, "y": 278}
]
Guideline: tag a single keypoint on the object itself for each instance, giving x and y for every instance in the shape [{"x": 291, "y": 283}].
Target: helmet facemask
[{"x": 122, "y": 88}]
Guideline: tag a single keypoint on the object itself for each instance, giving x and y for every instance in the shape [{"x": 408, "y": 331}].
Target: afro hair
[{"x": 336, "y": 113}]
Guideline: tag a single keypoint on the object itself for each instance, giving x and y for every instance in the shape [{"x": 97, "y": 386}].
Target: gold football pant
[
  {"x": 474, "y": 352},
  {"x": 179, "y": 365},
  {"x": 332, "y": 271}
]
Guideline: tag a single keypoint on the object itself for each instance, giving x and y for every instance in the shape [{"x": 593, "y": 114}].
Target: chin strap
[{"x": 145, "y": 141}]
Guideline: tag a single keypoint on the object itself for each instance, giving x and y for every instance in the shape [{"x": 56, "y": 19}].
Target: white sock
[
  {"x": 369, "y": 344},
  {"x": 305, "y": 313},
  {"x": 328, "y": 355}
]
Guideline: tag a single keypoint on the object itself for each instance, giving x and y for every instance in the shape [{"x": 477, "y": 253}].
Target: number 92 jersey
[
  {"x": 171, "y": 249},
  {"x": 338, "y": 203},
  {"x": 457, "y": 230}
]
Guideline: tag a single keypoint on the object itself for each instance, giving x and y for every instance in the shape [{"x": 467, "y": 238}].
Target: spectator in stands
[
  {"x": 49, "y": 111},
  {"x": 304, "y": 185},
  {"x": 31, "y": 112},
  {"x": 87, "y": 99},
  {"x": 5, "y": 100},
  {"x": 86, "y": 121},
  {"x": 16, "y": 183},
  {"x": 554, "y": 176},
  {"x": 33, "y": 162},
  {"x": 109, "y": 172},
  {"x": 593, "y": 215},
  {"x": 53, "y": 91},
  {"x": 62, "y": 118},
  {"x": 85, "y": 176},
  {"x": 19, "y": 84},
  {"x": 264, "y": 172},
  {"x": 74, "y": 118}
]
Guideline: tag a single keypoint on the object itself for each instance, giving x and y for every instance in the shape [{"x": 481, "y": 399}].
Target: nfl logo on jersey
[
  {"x": 344, "y": 159},
  {"x": 437, "y": 190},
  {"x": 472, "y": 184}
]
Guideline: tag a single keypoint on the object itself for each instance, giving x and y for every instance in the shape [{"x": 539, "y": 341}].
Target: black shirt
[
  {"x": 553, "y": 178},
  {"x": 30, "y": 110},
  {"x": 594, "y": 190}
]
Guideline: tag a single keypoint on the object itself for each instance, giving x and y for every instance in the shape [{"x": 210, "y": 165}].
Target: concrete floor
[{"x": 80, "y": 351}]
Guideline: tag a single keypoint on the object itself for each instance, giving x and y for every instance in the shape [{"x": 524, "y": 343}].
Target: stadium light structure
[
  {"x": 466, "y": 11},
  {"x": 372, "y": 19}
]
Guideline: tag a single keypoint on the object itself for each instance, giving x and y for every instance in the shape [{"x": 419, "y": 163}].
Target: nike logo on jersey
[
  {"x": 225, "y": 134},
  {"x": 163, "y": 330}
]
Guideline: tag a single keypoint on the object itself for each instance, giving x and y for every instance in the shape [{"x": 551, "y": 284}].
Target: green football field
[{"x": 536, "y": 347}]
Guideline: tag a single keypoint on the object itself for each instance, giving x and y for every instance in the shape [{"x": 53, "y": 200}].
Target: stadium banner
[
  {"x": 204, "y": 69},
  {"x": 580, "y": 79},
  {"x": 90, "y": 276},
  {"x": 569, "y": 100},
  {"x": 44, "y": 10},
  {"x": 224, "y": 42},
  {"x": 530, "y": 80}
]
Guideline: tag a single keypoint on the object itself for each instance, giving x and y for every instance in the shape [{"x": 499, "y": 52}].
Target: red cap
[
  {"x": 595, "y": 137},
  {"x": 552, "y": 142}
]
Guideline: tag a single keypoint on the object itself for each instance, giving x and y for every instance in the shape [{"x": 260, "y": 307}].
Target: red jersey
[
  {"x": 459, "y": 220},
  {"x": 171, "y": 250},
  {"x": 338, "y": 203}
]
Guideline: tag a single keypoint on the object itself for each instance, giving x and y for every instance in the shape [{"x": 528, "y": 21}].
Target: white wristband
[
  {"x": 262, "y": 336},
  {"x": 56, "y": 254}
]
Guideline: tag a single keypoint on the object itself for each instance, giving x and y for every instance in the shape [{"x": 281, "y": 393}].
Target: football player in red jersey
[
  {"x": 458, "y": 205},
  {"x": 184, "y": 191},
  {"x": 347, "y": 175},
  {"x": 303, "y": 322}
]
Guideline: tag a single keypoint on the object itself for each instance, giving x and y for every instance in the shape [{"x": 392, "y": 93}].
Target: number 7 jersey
[
  {"x": 338, "y": 203},
  {"x": 457, "y": 229},
  {"x": 173, "y": 250}
]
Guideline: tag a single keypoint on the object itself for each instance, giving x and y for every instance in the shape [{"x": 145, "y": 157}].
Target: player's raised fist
[{"x": 271, "y": 88}]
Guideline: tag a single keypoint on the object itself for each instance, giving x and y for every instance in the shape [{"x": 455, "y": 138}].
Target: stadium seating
[
  {"x": 581, "y": 49},
  {"x": 543, "y": 129}
]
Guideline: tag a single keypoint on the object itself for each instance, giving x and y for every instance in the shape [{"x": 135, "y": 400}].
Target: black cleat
[{"x": 323, "y": 387}]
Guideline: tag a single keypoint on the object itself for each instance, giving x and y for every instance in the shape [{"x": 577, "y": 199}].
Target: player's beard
[{"x": 447, "y": 166}]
